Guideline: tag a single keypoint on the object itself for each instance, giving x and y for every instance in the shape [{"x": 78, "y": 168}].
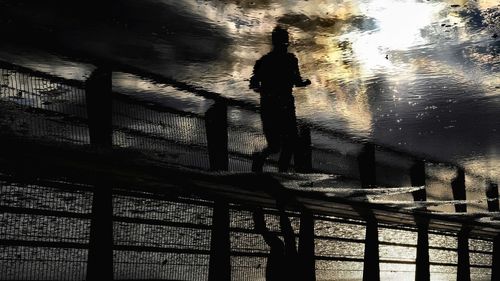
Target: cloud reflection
[
  {"x": 380, "y": 69},
  {"x": 407, "y": 73}
]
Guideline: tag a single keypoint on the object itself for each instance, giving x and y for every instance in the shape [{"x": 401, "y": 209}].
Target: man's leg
[
  {"x": 288, "y": 144},
  {"x": 273, "y": 146}
]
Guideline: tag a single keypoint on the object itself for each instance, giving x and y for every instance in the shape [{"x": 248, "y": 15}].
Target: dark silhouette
[
  {"x": 283, "y": 261},
  {"x": 368, "y": 178},
  {"x": 219, "y": 265},
  {"x": 458, "y": 189},
  {"x": 216, "y": 130},
  {"x": 274, "y": 76},
  {"x": 98, "y": 89}
]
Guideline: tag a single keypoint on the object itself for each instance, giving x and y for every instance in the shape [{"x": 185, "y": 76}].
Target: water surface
[{"x": 422, "y": 76}]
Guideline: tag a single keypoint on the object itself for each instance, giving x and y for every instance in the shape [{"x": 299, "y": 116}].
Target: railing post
[
  {"x": 99, "y": 112},
  {"x": 371, "y": 264},
  {"x": 306, "y": 246},
  {"x": 463, "y": 270},
  {"x": 367, "y": 174},
  {"x": 99, "y": 107},
  {"x": 100, "y": 255},
  {"x": 220, "y": 247},
  {"x": 422, "y": 270},
  {"x": 303, "y": 151},
  {"x": 217, "y": 140},
  {"x": 417, "y": 177},
  {"x": 492, "y": 196},
  {"x": 366, "y": 164},
  {"x": 495, "y": 260},
  {"x": 458, "y": 189}
]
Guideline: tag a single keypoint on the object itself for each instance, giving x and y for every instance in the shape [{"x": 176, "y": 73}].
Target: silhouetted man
[{"x": 274, "y": 76}]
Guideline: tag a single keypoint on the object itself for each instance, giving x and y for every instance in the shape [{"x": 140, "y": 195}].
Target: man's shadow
[
  {"x": 287, "y": 260},
  {"x": 283, "y": 254}
]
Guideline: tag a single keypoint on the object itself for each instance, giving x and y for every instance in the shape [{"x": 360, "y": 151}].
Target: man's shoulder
[
  {"x": 267, "y": 56},
  {"x": 271, "y": 56}
]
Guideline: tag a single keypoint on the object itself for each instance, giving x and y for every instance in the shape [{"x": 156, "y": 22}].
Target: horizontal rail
[
  {"x": 44, "y": 244},
  {"x": 157, "y": 222},
  {"x": 133, "y": 248},
  {"x": 161, "y": 223},
  {"x": 71, "y": 82},
  {"x": 44, "y": 212}
]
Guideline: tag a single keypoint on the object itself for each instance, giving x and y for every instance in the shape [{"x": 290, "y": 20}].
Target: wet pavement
[{"x": 421, "y": 76}]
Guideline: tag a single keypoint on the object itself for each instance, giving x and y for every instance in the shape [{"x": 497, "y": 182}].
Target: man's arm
[
  {"x": 297, "y": 78},
  {"x": 255, "y": 79}
]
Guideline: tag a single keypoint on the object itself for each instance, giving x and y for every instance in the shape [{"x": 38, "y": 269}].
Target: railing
[
  {"x": 156, "y": 128},
  {"x": 43, "y": 107}
]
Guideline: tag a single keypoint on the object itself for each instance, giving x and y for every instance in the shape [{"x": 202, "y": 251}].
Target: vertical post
[
  {"x": 458, "y": 189},
  {"x": 306, "y": 246},
  {"x": 371, "y": 264},
  {"x": 366, "y": 164},
  {"x": 220, "y": 247},
  {"x": 303, "y": 151},
  {"x": 100, "y": 255},
  {"x": 216, "y": 128},
  {"x": 99, "y": 112},
  {"x": 417, "y": 177},
  {"x": 99, "y": 107},
  {"x": 217, "y": 142},
  {"x": 367, "y": 173},
  {"x": 422, "y": 270},
  {"x": 463, "y": 270},
  {"x": 495, "y": 260},
  {"x": 492, "y": 195}
]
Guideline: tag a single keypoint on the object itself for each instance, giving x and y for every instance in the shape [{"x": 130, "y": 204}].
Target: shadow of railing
[
  {"x": 165, "y": 236},
  {"x": 90, "y": 115}
]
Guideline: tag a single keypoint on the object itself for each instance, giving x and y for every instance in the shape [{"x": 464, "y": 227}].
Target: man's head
[{"x": 280, "y": 38}]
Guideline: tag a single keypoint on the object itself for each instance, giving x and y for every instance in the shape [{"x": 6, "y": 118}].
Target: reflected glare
[
  {"x": 399, "y": 25},
  {"x": 401, "y": 72}
]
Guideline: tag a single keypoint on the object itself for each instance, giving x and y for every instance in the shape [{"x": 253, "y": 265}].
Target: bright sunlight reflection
[{"x": 399, "y": 25}]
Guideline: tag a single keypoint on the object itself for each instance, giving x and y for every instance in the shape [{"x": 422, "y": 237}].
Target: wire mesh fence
[
  {"x": 44, "y": 231},
  {"x": 39, "y": 106},
  {"x": 42, "y": 263}
]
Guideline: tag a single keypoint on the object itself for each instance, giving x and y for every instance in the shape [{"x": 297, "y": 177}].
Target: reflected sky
[
  {"x": 422, "y": 76},
  {"x": 419, "y": 75}
]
